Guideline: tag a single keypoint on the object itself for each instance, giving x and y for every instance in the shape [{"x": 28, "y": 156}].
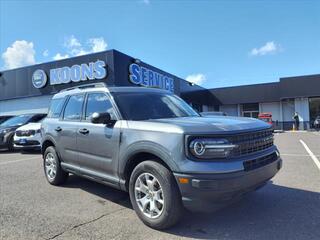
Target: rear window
[{"x": 55, "y": 108}]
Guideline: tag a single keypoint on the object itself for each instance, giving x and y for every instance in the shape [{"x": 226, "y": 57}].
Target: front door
[{"x": 98, "y": 144}]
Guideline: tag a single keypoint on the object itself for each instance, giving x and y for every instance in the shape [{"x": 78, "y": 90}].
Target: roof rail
[{"x": 83, "y": 86}]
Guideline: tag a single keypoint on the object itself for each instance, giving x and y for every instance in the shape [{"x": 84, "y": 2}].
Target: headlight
[
  {"x": 210, "y": 148},
  {"x": 4, "y": 131}
]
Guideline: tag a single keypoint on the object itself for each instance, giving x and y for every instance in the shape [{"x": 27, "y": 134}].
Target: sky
[{"x": 212, "y": 43}]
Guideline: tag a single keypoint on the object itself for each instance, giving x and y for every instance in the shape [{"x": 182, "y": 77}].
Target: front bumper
[
  {"x": 28, "y": 142},
  {"x": 210, "y": 191}
]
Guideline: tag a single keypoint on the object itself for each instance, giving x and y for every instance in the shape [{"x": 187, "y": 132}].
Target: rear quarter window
[{"x": 56, "y": 108}]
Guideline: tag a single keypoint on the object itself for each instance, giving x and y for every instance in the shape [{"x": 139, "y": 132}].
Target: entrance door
[
  {"x": 250, "y": 110},
  {"x": 314, "y": 106}
]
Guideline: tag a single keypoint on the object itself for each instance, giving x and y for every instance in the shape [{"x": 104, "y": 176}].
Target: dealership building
[
  {"x": 282, "y": 99},
  {"x": 30, "y": 89}
]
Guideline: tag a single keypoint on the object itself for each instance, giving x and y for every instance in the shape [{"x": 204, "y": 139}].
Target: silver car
[{"x": 152, "y": 144}]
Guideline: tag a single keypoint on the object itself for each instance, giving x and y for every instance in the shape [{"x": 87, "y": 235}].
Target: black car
[
  {"x": 4, "y": 118},
  {"x": 8, "y": 128}
]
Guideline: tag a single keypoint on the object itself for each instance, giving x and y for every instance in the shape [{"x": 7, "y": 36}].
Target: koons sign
[
  {"x": 146, "y": 77},
  {"x": 75, "y": 73}
]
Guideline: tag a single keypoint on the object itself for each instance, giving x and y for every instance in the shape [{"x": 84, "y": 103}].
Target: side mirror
[{"x": 104, "y": 118}]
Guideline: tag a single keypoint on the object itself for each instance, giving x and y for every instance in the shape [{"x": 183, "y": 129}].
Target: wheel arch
[
  {"x": 48, "y": 142},
  {"x": 140, "y": 153}
]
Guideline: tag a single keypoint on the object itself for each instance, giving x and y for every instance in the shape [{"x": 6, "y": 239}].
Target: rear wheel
[
  {"x": 154, "y": 195},
  {"x": 52, "y": 168}
]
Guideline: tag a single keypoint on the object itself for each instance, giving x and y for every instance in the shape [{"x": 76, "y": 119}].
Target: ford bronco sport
[{"x": 152, "y": 144}]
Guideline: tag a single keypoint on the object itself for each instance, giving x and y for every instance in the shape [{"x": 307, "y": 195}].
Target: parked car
[
  {"x": 8, "y": 128},
  {"x": 317, "y": 123},
  {"x": 28, "y": 137},
  {"x": 4, "y": 118},
  {"x": 208, "y": 114},
  {"x": 266, "y": 117},
  {"x": 152, "y": 144}
]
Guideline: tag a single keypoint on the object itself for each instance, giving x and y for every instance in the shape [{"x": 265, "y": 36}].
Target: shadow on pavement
[
  {"x": 105, "y": 192},
  {"x": 273, "y": 212}
]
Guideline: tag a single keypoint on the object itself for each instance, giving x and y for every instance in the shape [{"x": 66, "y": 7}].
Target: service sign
[
  {"x": 75, "y": 73},
  {"x": 146, "y": 77}
]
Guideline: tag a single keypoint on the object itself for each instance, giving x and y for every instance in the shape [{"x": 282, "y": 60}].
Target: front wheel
[
  {"x": 52, "y": 168},
  {"x": 154, "y": 195}
]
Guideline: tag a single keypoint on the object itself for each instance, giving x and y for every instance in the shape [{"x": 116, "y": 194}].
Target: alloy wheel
[
  {"x": 149, "y": 195},
  {"x": 50, "y": 166}
]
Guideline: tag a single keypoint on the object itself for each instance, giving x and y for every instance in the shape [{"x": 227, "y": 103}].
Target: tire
[
  {"x": 10, "y": 145},
  {"x": 60, "y": 176},
  {"x": 171, "y": 209}
]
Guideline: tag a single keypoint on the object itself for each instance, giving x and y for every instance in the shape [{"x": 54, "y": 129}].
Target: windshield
[
  {"x": 16, "y": 121},
  {"x": 152, "y": 105}
]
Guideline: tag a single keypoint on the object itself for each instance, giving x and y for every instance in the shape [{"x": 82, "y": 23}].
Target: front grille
[
  {"x": 26, "y": 133},
  {"x": 251, "y": 142},
  {"x": 259, "y": 162},
  {"x": 27, "y": 143}
]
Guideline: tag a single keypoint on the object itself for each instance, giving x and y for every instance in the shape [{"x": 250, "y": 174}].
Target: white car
[{"x": 28, "y": 136}]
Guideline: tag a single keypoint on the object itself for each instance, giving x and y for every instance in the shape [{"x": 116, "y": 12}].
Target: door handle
[
  {"x": 58, "y": 129},
  {"x": 84, "y": 131}
]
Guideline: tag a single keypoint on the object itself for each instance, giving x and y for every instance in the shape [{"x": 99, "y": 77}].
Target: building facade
[
  {"x": 282, "y": 99},
  {"x": 30, "y": 89}
]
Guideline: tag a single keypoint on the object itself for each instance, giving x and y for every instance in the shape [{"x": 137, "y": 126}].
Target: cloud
[
  {"x": 268, "y": 48},
  {"x": 45, "y": 53},
  {"x": 59, "y": 56},
  {"x": 72, "y": 42},
  {"x": 19, "y": 54},
  {"x": 74, "y": 47},
  {"x": 97, "y": 44},
  {"x": 198, "y": 78},
  {"x": 147, "y": 2}
]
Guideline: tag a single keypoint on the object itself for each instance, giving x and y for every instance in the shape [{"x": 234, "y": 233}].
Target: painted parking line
[
  {"x": 20, "y": 160},
  {"x": 313, "y": 157},
  {"x": 296, "y": 155}
]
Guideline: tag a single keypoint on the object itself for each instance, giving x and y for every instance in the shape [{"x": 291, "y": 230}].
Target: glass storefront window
[
  {"x": 250, "y": 110},
  {"x": 314, "y": 106}
]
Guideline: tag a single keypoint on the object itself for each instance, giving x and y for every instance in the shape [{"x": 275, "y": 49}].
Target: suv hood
[
  {"x": 30, "y": 126},
  {"x": 214, "y": 124}
]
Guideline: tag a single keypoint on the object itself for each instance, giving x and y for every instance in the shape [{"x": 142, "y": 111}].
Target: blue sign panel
[
  {"x": 146, "y": 77},
  {"x": 39, "y": 78},
  {"x": 77, "y": 73}
]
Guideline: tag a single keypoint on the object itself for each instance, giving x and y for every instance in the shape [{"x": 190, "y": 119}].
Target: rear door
[
  {"x": 67, "y": 128},
  {"x": 98, "y": 144}
]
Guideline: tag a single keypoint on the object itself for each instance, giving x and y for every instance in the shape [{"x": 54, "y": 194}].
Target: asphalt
[{"x": 286, "y": 208}]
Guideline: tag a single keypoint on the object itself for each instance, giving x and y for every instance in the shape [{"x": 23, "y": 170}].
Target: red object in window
[{"x": 266, "y": 117}]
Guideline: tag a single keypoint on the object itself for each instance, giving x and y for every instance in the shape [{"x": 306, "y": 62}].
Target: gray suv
[{"x": 152, "y": 144}]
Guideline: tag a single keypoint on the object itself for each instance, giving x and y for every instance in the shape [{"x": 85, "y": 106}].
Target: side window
[
  {"x": 99, "y": 102},
  {"x": 55, "y": 108},
  {"x": 73, "y": 109}
]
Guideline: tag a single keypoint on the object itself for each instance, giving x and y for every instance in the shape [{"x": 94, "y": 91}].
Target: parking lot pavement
[{"x": 287, "y": 208}]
